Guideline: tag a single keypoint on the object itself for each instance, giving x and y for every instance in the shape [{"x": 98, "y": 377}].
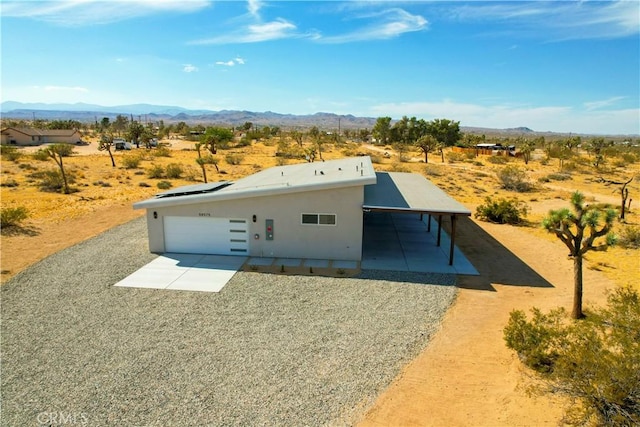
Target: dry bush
[
  {"x": 397, "y": 167},
  {"x": 173, "y": 171},
  {"x": 629, "y": 237},
  {"x": 453, "y": 157},
  {"x": 155, "y": 172},
  {"x": 10, "y": 153},
  {"x": 498, "y": 160},
  {"x": 131, "y": 161},
  {"x": 164, "y": 185},
  {"x": 10, "y": 217},
  {"x": 234, "y": 158},
  {"x": 502, "y": 211},
  {"x": 161, "y": 152},
  {"x": 514, "y": 179}
]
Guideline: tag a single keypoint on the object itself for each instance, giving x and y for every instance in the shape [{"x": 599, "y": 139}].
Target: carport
[{"x": 407, "y": 193}]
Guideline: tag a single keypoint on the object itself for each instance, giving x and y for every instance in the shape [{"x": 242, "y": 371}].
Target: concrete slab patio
[
  {"x": 401, "y": 242},
  {"x": 185, "y": 272}
]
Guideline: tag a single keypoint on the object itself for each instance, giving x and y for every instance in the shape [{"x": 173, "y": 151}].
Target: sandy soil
[{"x": 466, "y": 376}]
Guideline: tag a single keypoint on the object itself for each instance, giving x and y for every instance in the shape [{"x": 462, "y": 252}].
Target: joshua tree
[
  {"x": 579, "y": 230},
  {"x": 206, "y": 160},
  {"x": 105, "y": 144},
  {"x": 624, "y": 192},
  {"x": 57, "y": 152}
]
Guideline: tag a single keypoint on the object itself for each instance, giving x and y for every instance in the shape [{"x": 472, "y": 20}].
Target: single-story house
[
  {"x": 308, "y": 210},
  {"x": 28, "y": 136}
]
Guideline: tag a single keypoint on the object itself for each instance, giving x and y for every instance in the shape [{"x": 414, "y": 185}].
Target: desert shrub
[
  {"x": 10, "y": 153},
  {"x": 234, "y": 158},
  {"x": 144, "y": 185},
  {"x": 101, "y": 183},
  {"x": 376, "y": 159},
  {"x": 245, "y": 142},
  {"x": 51, "y": 180},
  {"x": 40, "y": 155},
  {"x": 10, "y": 217},
  {"x": 404, "y": 158},
  {"x": 558, "y": 177},
  {"x": 155, "y": 172},
  {"x": 498, "y": 160},
  {"x": 502, "y": 211},
  {"x": 629, "y": 237},
  {"x": 431, "y": 170},
  {"x": 629, "y": 158},
  {"x": 595, "y": 361},
  {"x": 27, "y": 166},
  {"x": 454, "y": 156},
  {"x": 161, "y": 151},
  {"x": 534, "y": 340},
  {"x": 174, "y": 171},
  {"x": 398, "y": 167},
  {"x": 469, "y": 155},
  {"x": 9, "y": 183},
  {"x": 164, "y": 185},
  {"x": 131, "y": 161},
  {"x": 513, "y": 178},
  {"x": 191, "y": 173}
]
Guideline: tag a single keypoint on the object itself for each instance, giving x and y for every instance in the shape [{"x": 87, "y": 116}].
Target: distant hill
[
  {"x": 172, "y": 114},
  {"x": 143, "y": 112}
]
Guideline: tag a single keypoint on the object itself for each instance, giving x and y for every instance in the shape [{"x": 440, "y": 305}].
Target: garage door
[{"x": 215, "y": 236}]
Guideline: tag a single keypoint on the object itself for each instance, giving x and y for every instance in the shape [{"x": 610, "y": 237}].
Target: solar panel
[{"x": 194, "y": 189}]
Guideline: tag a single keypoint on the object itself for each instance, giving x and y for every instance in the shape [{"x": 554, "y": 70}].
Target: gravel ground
[{"x": 267, "y": 350}]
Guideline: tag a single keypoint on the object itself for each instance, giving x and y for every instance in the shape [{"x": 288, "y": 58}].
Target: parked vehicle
[{"x": 121, "y": 144}]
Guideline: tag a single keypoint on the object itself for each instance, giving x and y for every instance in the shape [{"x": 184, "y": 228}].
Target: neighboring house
[
  {"x": 308, "y": 210},
  {"x": 27, "y": 136}
]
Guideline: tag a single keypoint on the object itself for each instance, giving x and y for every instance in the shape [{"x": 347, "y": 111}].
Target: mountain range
[{"x": 148, "y": 112}]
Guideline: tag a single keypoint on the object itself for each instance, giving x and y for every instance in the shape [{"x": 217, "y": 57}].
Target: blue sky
[{"x": 565, "y": 66}]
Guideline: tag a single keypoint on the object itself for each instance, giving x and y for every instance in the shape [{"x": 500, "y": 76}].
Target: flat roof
[
  {"x": 301, "y": 177},
  {"x": 409, "y": 192}
]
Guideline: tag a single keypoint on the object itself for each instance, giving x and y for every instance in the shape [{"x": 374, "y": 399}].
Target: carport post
[
  {"x": 453, "y": 238},
  {"x": 429, "y": 224},
  {"x": 439, "y": 229}
]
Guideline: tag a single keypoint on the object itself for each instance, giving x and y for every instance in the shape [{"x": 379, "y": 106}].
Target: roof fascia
[{"x": 230, "y": 194}]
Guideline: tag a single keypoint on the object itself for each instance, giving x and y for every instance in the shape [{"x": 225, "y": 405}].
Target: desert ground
[{"x": 465, "y": 375}]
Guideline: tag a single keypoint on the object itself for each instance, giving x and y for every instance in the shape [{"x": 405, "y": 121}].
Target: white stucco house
[
  {"x": 29, "y": 136},
  {"x": 308, "y": 210}
]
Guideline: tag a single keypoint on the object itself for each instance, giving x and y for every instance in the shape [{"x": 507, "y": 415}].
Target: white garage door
[{"x": 213, "y": 236}]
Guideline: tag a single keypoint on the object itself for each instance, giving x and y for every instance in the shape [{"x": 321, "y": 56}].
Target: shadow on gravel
[{"x": 494, "y": 262}]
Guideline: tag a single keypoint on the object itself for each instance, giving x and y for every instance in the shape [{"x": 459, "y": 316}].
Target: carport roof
[{"x": 409, "y": 192}]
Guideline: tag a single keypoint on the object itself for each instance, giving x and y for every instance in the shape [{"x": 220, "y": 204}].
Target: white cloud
[
  {"x": 274, "y": 30},
  {"x": 560, "y": 20},
  {"x": 596, "y": 105},
  {"x": 66, "y": 89},
  {"x": 92, "y": 12},
  {"x": 388, "y": 24},
  {"x": 541, "y": 118},
  {"x": 254, "y": 7},
  {"x": 231, "y": 62},
  {"x": 188, "y": 68}
]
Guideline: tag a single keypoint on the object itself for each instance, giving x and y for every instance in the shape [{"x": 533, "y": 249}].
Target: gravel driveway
[{"x": 267, "y": 350}]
